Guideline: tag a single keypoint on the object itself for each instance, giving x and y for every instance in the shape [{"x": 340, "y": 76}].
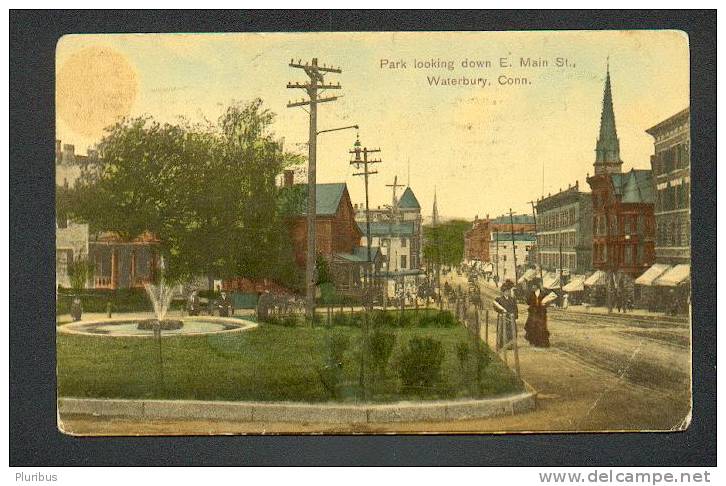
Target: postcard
[{"x": 368, "y": 233}]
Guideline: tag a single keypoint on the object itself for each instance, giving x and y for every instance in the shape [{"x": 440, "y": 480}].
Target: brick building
[
  {"x": 337, "y": 235},
  {"x": 564, "y": 231},
  {"x": 477, "y": 240},
  {"x": 623, "y": 223}
]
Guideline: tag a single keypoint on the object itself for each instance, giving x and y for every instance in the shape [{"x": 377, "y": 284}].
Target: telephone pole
[
  {"x": 367, "y": 286},
  {"x": 514, "y": 248},
  {"x": 539, "y": 248},
  {"x": 315, "y": 84}
]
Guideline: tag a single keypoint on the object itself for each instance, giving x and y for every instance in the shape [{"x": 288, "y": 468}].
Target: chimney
[
  {"x": 69, "y": 153},
  {"x": 58, "y": 152},
  {"x": 288, "y": 177}
]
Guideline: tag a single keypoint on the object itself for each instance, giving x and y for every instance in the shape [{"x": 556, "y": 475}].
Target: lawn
[{"x": 270, "y": 363}]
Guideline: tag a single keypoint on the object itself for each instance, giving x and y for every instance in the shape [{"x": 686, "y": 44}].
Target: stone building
[
  {"x": 69, "y": 164},
  {"x": 671, "y": 166},
  {"x": 623, "y": 223},
  {"x": 117, "y": 263},
  {"x": 504, "y": 253},
  {"x": 564, "y": 231}
]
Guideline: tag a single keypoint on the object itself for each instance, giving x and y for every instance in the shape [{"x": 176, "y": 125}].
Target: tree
[
  {"x": 444, "y": 243},
  {"x": 207, "y": 191},
  {"x": 79, "y": 271}
]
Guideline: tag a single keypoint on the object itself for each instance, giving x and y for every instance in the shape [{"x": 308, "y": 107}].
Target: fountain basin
[{"x": 129, "y": 327}]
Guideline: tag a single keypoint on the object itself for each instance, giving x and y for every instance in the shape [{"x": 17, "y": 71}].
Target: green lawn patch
[{"x": 271, "y": 363}]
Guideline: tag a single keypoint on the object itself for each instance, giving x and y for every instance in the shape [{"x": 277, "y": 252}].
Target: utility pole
[
  {"x": 368, "y": 280},
  {"x": 496, "y": 240},
  {"x": 539, "y": 248},
  {"x": 357, "y": 161},
  {"x": 514, "y": 249},
  {"x": 315, "y": 73}
]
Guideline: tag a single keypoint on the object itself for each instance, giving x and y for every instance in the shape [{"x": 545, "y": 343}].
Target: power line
[{"x": 316, "y": 83}]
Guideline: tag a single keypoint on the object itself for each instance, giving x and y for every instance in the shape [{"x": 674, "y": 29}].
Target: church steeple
[
  {"x": 607, "y": 150},
  {"x": 435, "y": 212}
]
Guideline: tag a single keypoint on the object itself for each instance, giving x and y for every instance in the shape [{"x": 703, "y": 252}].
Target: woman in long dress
[{"x": 535, "y": 330}]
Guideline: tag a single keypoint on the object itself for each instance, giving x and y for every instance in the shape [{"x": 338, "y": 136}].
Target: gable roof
[
  {"x": 327, "y": 198},
  {"x": 408, "y": 200}
]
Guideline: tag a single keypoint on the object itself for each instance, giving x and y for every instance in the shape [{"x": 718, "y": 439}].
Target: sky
[{"x": 482, "y": 149}]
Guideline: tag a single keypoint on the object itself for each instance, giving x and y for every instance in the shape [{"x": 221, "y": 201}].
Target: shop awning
[
  {"x": 576, "y": 284},
  {"x": 652, "y": 273},
  {"x": 529, "y": 274},
  {"x": 674, "y": 277},
  {"x": 551, "y": 280},
  {"x": 597, "y": 279}
]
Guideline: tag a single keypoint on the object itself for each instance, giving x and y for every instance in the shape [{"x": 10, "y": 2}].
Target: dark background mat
[{"x": 34, "y": 438}]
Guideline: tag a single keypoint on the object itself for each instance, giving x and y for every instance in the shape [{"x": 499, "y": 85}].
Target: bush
[
  {"x": 95, "y": 300},
  {"x": 437, "y": 319},
  {"x": 331, "y": 374},
  {"x": 380, "y": 348},
  {"x": 462, "y": 353},
  {"x": 419, "y": 365}
]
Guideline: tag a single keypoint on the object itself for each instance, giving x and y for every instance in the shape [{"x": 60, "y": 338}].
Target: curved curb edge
[{"x": 292, "y": 412}]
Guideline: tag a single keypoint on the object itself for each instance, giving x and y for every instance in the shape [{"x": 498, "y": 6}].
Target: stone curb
[{"x": 291, "y": 412}]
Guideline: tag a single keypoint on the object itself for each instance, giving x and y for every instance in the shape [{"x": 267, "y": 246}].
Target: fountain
[{"x": 160, "y": 295}]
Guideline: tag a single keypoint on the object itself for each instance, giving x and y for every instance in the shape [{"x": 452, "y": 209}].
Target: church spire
[
  {"x": 607, "y": 150},
  {"x": 435, "y": 214}
]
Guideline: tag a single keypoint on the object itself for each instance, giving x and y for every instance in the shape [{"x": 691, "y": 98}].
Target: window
[
  {"x": 404, "y": 242},
  {"x": 403, "y": 261}
]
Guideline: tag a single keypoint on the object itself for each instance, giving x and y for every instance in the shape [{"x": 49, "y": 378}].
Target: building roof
[
  {"x": 382, "y": 228},
  {"x": 327, "y": 198},
  {"x": 635, "y": 186},
  {"x": 517, "y": 236},
  {"x": 360, "y": 254},
  {"x": 518, "y": 219},
  {"x": 408, "y": 200},
  {"x": 681, "y": 117}
]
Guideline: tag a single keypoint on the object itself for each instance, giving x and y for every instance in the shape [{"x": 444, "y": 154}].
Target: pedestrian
[
  {"x": 194, "y": 303},
  {"x": 76, "y": 309},
  {"x": 535, "y": 329},
  {"x": 507, "y": 314}
]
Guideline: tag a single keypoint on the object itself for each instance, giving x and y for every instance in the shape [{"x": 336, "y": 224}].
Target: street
[{"x": 604, "y": 372}]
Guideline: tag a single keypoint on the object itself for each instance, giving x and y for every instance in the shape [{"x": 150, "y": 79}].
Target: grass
[{"x": 269, "y": 363}]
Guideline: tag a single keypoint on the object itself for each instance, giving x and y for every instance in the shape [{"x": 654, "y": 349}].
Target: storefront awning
[
  {"x": 652, "y": 273},
  {"x": 576, "y": 284},
  {"x": 674, "y": 277},
  {"x": 551, "y": 280},
  {"x": 597, "y": 279},
  {"x": 529, "y": 274}
]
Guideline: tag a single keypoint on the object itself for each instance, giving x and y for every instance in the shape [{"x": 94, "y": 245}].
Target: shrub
[
  {"x": 420, "y": 363},
  {"x": 331, "y": 374},
  {"x": 462, "y": 352},
  {"x": 289, "y": 320},
  {"x": 437, "y": 319},
  {"x": 380, "y": 348}
]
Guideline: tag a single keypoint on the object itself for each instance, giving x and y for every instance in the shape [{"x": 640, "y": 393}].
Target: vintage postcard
[{"x": 390, "y": 232}]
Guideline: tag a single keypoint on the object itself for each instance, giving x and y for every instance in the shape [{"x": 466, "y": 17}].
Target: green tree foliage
[
  {"x": 444, "y": 244},
  {"x": 380, "y": 348},
  {"x": 207, "y": 191},
  {"x": 79, "y": 271},
  {"x": 420, "y": 363}
]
